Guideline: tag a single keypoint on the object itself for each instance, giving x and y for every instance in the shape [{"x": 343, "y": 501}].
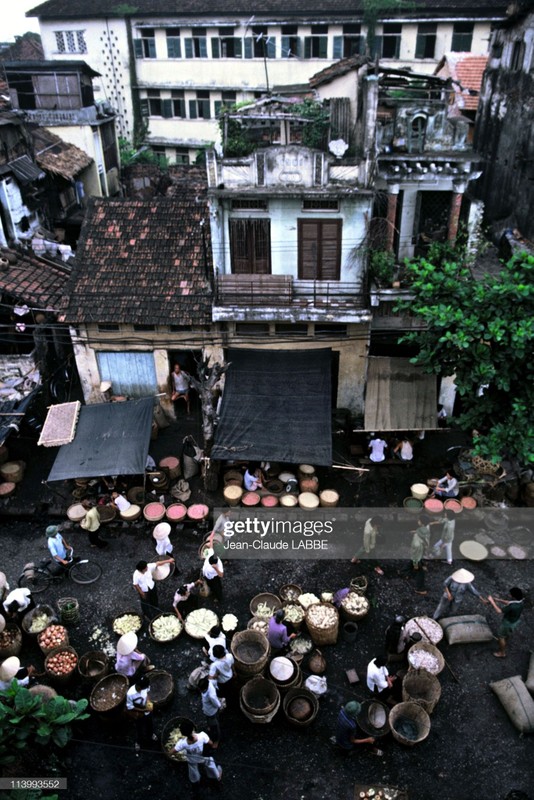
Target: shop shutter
[{"x": 131, "y": 374}]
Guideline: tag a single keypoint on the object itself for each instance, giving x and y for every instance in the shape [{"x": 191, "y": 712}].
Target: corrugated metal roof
[{"x": 26, "y": 170}]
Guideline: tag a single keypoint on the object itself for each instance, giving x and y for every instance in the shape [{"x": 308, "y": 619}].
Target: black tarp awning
[
  {"x": 111, "y": 439},
  {"x": 399, "y": 396},
  {"x": 276, "y": 407}
]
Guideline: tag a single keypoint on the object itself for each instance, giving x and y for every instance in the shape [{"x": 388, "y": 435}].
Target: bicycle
[{"x": 38, "y": 578}]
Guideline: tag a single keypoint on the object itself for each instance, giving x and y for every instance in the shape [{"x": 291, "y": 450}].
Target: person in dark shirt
[
  {"x": 348, "y": 734},
  {"x": 511, "y": 614}
]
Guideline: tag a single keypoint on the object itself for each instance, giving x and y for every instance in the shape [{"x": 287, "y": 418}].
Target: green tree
[{"x": 482, "y": 333}]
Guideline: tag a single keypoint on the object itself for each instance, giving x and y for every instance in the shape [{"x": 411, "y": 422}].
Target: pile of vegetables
[
  {"x": 127, "y": 623},
  {"x": 430, "y": 630},
  {"x": 200, "y": 622},
  {"x": 264, "y": 610},
  {"x": 166, "y": 627},
  {"x": 261, "y": 625},
  {"x": 39, "y": 622},
  {"x": 61, "y": 663},
  {"x": 355, "y": 603},
  {"x": 307, "y": 599},
  {"x": 53, "y": 636},
  {"x": 379, "y": 794},
  {"x": 327, "y": 597},
  {"x": 294, "y": 613},
  {"x": 301, "y": 645},
  {"x": 174, "y": 737},
  {"x": 8, "y": 637},
  {"x": 229, "y": 623},
  {"x": 422, "y": 659},
  {"x": 322, "y": 616},
  {"x": 289, "y": 594}
]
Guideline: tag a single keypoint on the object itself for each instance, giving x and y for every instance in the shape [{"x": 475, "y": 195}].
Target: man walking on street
[
  {"x": 454, "y": 589},
  {"x": 511, "y": 614},
  {"x": 145, "y": 585}
]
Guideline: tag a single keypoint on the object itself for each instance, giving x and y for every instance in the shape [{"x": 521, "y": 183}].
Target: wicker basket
[
  {"x": 54, "y": 676},
  {"x": 297, "y": 624},
  {"x": 61, "y": 631},
  {"x": 109, "y": 694},
  {"x": 354, "y": 616},
  {"x": 93, "y": 665},
  {"x": 428, "y": 648},
  {"x": 173, "y": 723},
  {"x": 413, "y": 713},
  {"x": 323, "y": 635},
  {"x": 265, "y": 627},
  {"x": 28, "y": 619},
  {"x": 359, "y": 584},
  {"x": 290, "y": 592},
  {"x": 164, "y": 641},
  {"x": 233, "y": 475},
  {"x": 107, "y": 514},
  {"x": 290, "y": 706},
  {"x": 129, "y": 614},
  {"x": 136, "y": 495},
  {"x": 161, "y": 687},
  {"x": 251, "y": 650},
  {"x": 251, "y": 696},
  {"x": 12, "y": 635},
  {"x": 269, "y": 599},
  {"x": 420, "y": 687},
  {"x": 328, "y": 498}
]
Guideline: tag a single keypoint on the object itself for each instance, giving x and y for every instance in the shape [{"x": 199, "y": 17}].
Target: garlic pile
[
  {"x": 323, "y": 617},
  {"x": 355, "y": 604},
  {"x": 127, "y": 623},
  {"x": 307, "y": 599}
]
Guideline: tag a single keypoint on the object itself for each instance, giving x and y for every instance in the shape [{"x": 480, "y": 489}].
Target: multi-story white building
[{"x": 167, "y": 72}]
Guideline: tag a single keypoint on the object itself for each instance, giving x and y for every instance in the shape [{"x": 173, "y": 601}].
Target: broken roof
[
  {"x": 143, "y": 262},
  {"x": 336, "y": 70},
  {"x": 27, "y": 47},
  {"x": 58, "y": 157},
  {"x": 38, "y": 283},
  {"x": 465, "y": 71}
]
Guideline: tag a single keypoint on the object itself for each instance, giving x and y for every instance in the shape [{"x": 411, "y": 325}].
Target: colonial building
[{"x": 167, "y": 72}]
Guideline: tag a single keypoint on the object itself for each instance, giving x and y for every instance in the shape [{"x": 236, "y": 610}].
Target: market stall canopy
[
  {"x": 276, "y": 407},
  {"x": 111, "y": 439},
  {"x": 399, "y": 396}
]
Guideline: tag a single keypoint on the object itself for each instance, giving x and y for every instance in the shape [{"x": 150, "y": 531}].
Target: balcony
[{"x": 260, "y": 298}]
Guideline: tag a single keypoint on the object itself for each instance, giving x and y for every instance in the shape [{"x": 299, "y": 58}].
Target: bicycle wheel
[
  {"x": 85, "y": 571},
  {"x": 36, "y": 580}
]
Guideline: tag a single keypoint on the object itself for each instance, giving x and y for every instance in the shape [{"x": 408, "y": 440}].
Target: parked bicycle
[{"x": 39, "y": 577}]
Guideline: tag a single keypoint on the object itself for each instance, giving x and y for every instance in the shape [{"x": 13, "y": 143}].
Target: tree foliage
[{"x": 482, "y": 333}]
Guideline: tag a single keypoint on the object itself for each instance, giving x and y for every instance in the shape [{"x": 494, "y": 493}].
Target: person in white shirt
[
  {"x": 212, "y": 639},
  {"x": 447, "y": 486},
  {"x": 193, "y": 747},
  {"x": 379, "y": 681},
  {"x": 377, "y": 446},
  {"x": 211, "y": 705},
  {"x": 140, "y": 707},
  {"x": 253, "y": 478},
  {"x": 18, "y": 602},
  {"x": 404, "y": 450},
  {"x": 222, "y": 669},
  {"x": 213, "y": 571},
  {"x": 120, "y": 502},
  {"x": 145, "y": 586},
  {"x": 180, "y": 382}
]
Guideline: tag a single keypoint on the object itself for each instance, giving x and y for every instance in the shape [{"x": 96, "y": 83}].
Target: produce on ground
[
  {"x": 422, "y": 659},
  {"x": 199, "y": 622},
  {"x": 39, "y": 622},
  {"x": 355, "y": 603},
  {"x": 384, "y": 793},
  {"x": 8, "y": 637},
  {"x": 53, "y": 636},
  {"x": 229, "y": 622},
  {"x": 127, "y": 623},
  {"x": 301, "y": 645},
  {"x": 308, "y": 599},
  {"x": 323, "y": 617},
  {"x": 62, "y": 663},
  {"x": 294, "y": 613},
  {"x": 264, "y": 610},
  {"x": 166, "y": 627},
  {"x": 174, "y": 737},
  {"x": 430, "y": 630}
]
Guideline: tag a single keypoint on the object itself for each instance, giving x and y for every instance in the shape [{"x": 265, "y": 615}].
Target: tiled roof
[
  {"x": 466, "y": 71},
  {"x": 27, "y": 47},
  {"x": 335, "y": 70},
  {"x": 143, "y": 262},
  {"x": 40, "y": 284},
  {"x": 58, "y": 157},
  {"x": 169, "y": 8}
]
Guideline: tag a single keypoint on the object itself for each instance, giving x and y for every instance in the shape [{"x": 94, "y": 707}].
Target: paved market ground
[{"x": 472, "y": 751}]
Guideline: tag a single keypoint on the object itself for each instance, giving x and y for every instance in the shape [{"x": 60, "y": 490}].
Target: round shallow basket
[
  {"x": 269, "y": 501},
  {"x": 109, "y": 694},
  {"x": 61, "y": 677},
  {"x": 58, "y": 632},
  {"x": 259, "y": 700},
  {"x": 251, "y": 650},
  {"x": 7, "y": 489},
  {"x": 288, "y": 501},
  {"x": 136, "y": 495},
  {"x": 285, "y": 477},
  {"x": 176, "y": 512},
  {"x": 453, "y": 505},
  {"x": 306, "y": 471},
  {"x": 275, "y": 486},
  {"x": 131, "y": 514},
  {"x": 419, "y": 686},
  {"x": 152, "y": 628},
  {"x": 468, "y": 503},
  {"x": 322, "y": 635},
  {"x": 430, "y": 630},
  {"x": 285, "y": 673},
  {"x": 200, "y": 622},
  {"x": 233, "y": 475},
  {"x": 250, "y": 499},
  {"x": 13, "y": 471},
  {"x": 300, "y": 707},
  {"x": 416, "y": 655},
  {"x": 10, "y": 641},
  {"x": 308, "y": 501},
  {"x": 354, "y": 606},
  {"x": 93, "y": 665},
  {"x": 413, "y": 504},
  {"x": 328, "y": 498},
  {"x": 154, "y": 512},
  {"x": 76, "y": 512},
  {"x": 359, "y": 584},
  {"x": 473, "y": 551},
  {"x": 373, "y": 718},
  {"x": 159, "y": 480},
  {"x": 410, "y": 724},
  {"x": 171, "y": 465},
  {"x": 290, "y": 593},
  {"x": 232, "y": 494},
  {"x": 268, "y": 599},
  {"x": 309, "y": 484},
  {"x": 37, "y": 612},
  {"x": 161, "y": 687},
  {"x": 120, "y": 627},
  {"x": 433, "y": 505},
  {"x": 107, "y": 514},
  {"x": 45, "y": 692},
  {"x": 419, "y": 491},
  {"x": 295, "y": 615},
  {"x": 79, "y": 493},
  {"x": 198, "y": 512},
  {"x": 168, "y": 740}
]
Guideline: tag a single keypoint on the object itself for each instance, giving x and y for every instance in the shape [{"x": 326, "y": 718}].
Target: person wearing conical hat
[
  {"x": 11, "y": 669},
  {"x": 454, "y": 589},
  {"x": 130, "y": 661},
  {"x": 348, "y": 734},
  {"x": 161, "y": 535}
]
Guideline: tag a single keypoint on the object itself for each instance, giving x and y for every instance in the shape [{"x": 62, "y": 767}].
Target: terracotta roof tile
[
  {"x": 466, "y": 71},
  {"x": 40, "y": 284}
]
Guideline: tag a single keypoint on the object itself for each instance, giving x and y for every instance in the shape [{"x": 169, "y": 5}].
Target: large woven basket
[
  {"x": 272, "y": 600},
  {"x": 167, "y": 748},
  {"x": 420, "y": 687},
  {"x": 359, "y": 584},
  {"x": 414, "y": 714},
  {"x": 290, "y": 592},
  {"x": 349, "y": 613},
  {"x": 251, "y": 650},
  {"x": 63, "y": 677},
  {"x": 109, "y": 694},
  {"x": 323, "y": 635},
  {"x": 93, "y": 665},
  {"x": 10, "y": 641},
  {"x": 300, "y": 707},
  {"x": 433, "y": 651},
  {"x": 152, "y": 633},
  {"x": 161, "y": 687}
]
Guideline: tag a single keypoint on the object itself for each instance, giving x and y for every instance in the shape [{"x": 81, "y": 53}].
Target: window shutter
[
  {"x": 166, "y": 109},
  {"x": 338, "y": 47},
  {"x": 250, "y": 246},
  {"x": 217, "y": 105},
  {"x": 319, "y": 249},
  {"x": 330, "y": 250},
  {"x": 271, "y": 47},
  {"x": 323, "y": 47},
  {"x": 238, "y": 47},
  {"x": 286, "y": 47},
  {"x": 193, "y": 109},
  {"x": 307, "y": 46},
  {"x": 174, "y": 49},
  {"x": 238, "y": 246},
  {"x": 188, "y": 48},
  {"x": 420, "y": 46},
  {"x": 151, "y": 48},
  {"x": 144, "y": 107},
  {"x": 138, "y": 48},
  {"x": 262, "y": 246},
  {"x": 215, "y": 48},
  {"x": 248, "y": 47},
  {"x": 308, "y": 249},
  {"x": 203, "y": 47}
]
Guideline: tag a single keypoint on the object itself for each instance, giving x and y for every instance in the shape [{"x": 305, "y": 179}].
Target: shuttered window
[
  {"x": 319, "y": 249},
  {"x": 250, "y": 243}
]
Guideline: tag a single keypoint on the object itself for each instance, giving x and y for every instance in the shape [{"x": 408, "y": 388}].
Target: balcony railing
[{"x": 253, "y": 291}]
